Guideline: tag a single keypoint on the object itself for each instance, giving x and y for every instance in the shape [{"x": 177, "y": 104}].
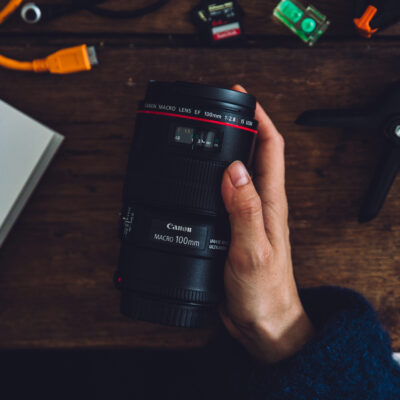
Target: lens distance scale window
[
  {"x": 183, "y": 135},
  {"x": 197, "y": 139}
]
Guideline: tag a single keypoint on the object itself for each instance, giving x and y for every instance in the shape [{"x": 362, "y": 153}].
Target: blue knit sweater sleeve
[{"x": 349, "y": 358}]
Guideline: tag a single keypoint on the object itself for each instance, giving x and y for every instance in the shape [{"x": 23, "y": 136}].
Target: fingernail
[
  {"x": 240, "y": 88},
  {"x": 238, "y": 174}
]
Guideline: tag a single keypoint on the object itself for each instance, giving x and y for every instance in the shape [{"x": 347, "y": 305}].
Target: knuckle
[
  {"x": 250, "y": 206},
  {"x": 261, "y": 257},
  {"x": 247, "y": 260},
  {"x": 280, "y": 141},
  {"x": 266, "y": 252}
]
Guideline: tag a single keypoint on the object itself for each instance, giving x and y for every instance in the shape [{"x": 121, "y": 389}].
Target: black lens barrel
[{"x": 174, "y": 228}]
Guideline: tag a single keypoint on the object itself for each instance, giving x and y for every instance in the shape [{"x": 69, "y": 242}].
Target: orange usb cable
[
  {"x": 9, "y": 9},
  {"x": 65, "y": 61}
]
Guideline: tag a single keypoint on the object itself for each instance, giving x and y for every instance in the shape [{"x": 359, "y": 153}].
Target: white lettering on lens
[
  {"x": 216, "y": 244},
  {"x": 163, "y": 238},
  {"x": 166, "y": 107},
  {"x": 185, "y": 110},
  {"x": 186, "y": 241},
  {"x": 180, "y": 228},
  {"x": 212, "y": 115}
]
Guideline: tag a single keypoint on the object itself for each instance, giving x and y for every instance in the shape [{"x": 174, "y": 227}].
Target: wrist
[{"x": 274, "y": 340}]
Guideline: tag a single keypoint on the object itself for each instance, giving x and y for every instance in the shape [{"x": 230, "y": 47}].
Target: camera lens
[{"x": 174, "y": 228}]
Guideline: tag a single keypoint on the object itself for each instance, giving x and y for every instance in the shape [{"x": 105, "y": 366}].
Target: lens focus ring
[{"x": 184, "y": 182}]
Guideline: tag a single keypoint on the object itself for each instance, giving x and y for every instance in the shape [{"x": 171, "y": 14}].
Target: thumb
[{"x": 243, "y": 205}]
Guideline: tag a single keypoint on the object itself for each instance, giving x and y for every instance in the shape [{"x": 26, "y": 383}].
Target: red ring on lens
[{"x": 196, "y": 119}]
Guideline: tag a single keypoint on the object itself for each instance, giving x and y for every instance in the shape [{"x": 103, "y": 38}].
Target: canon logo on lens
[
  {"x": 185, "y": 136},
  {"x": 180, "y": 228}
]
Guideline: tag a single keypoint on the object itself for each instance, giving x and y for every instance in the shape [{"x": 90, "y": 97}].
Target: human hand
[{"x": 262, "y": 309}]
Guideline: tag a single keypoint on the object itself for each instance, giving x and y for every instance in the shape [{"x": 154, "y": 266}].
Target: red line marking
[{"x": 196, "y": 119}]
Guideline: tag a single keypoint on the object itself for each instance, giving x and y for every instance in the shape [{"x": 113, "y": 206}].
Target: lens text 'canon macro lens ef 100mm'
[{"x": 174, "y": 228}]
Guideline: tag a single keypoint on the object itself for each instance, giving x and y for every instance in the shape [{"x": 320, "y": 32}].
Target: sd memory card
[{"x": 218, "y": 22}]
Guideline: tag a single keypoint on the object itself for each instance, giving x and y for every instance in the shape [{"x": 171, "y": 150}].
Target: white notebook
[{"x": 26, "y": 149}]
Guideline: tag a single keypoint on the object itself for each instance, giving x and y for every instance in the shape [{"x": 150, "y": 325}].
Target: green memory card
[{"x": 306, "y": 22}]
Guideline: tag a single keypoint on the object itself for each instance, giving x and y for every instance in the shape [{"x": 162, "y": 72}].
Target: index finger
[{"x": 269, "y": 163}]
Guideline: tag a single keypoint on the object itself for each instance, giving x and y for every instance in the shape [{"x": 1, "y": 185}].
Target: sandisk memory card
[{"x": 219, "y": 22}]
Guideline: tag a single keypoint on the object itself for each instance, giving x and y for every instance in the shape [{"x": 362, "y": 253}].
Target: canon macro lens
[{"x": 174, "y": 228}]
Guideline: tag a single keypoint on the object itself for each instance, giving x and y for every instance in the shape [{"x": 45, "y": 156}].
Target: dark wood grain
[
  {"x": 174, "y": 18},
  {"x": 56, "y": 266}
]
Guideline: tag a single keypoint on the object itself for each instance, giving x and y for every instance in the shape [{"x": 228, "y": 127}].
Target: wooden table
[{"x": 56, "y": 267}]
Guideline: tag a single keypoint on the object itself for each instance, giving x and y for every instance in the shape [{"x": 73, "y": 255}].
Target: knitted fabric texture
[{"x": 349, "y": 358}]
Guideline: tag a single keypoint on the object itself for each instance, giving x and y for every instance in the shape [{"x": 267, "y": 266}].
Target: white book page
[{"x": 22, "y": 143}]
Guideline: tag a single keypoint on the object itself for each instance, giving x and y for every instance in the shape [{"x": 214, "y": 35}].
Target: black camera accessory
[
  {"x": 33, "y": 13},
  {"x": 174, "y": 228},
  {"x": 218, "y": 22},
  {"x": 383, "y": 116},
  {"x": 372, "y": 16}
]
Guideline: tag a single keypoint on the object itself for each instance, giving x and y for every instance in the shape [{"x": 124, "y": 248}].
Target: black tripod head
[{"x": 384, "y": 117}]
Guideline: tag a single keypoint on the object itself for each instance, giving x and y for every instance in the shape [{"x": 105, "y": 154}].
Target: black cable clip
[{"x": 32, "y": 13}]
